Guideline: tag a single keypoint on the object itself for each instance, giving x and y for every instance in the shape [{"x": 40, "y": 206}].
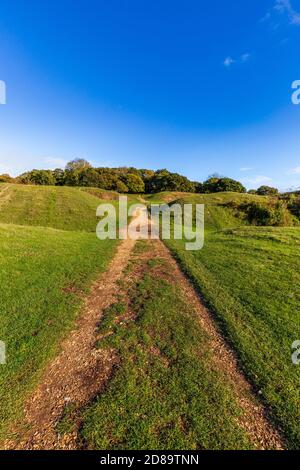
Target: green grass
[
  {"x": 250, "y": 278},
  {"x": 63, "y": 208},
  {"x": 164, "y": 393},
  {"x": 218, "y": 213},
  {"x": 44, "y": 275}
]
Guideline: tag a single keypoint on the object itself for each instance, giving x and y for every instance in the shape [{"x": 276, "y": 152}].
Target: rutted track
[{"x": 81, "y": 371}]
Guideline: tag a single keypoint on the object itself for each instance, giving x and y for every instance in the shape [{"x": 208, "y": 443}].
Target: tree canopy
[
  {"x": 267, "y": 191},
  {"x": 80, "y": 172}
]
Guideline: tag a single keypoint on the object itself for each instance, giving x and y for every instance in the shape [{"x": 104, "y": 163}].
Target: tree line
[{"x": 131, "y": 180}]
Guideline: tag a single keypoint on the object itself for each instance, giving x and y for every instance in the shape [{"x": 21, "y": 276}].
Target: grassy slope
[
  {"x": 63, "y": 208},
  {"x": 42, "y": 278},
  {"x": 250, "y": 277},
  {"x": 43, "y": 275},
  {"x": 217, "y": 214},
  {"x": 164, "y": 392}
]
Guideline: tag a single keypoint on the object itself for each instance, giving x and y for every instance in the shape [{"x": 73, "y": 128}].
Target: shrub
[
  {"x": 294, "y": 206},
  {"x": 77, "y": 164},
  {"x": 134, "y": 183},
  {"x": 59, "y": 177},
  {"x": 5, "y": 178},
  {"x": 88, "y": 177},
  {"x": 270, "y": 214},
  {"x": 121, "y": 187},
  {"x": 39, "y": 177},
  {"x": 163, "y": 180},
  {"x": 267, "y": 191},
  {"x": 199, "y": 187},
  {"x": 217, "y": 185}
]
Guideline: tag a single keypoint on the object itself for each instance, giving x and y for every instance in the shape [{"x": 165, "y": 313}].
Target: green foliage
[
  {"x": 269, "y": 213},
  {"x": 79, "y": 172},
  {"x": 199, "y": 187},
  {"x": 59, "y": 177},
  {"x": 39, "y": 177},
  {"x": 88, "y": 177},
  {"x": 293, "y": 204},
  {"x": 121, "y": 187},
  {"x": 134, "y": 183},
  {"x": 267, "y": 191},
  {"x": 5, "y": 178},
  {"x": 216, "y": 185},
  {"x": 77, "y": 164},
  {"x": 163, "y": 180}
]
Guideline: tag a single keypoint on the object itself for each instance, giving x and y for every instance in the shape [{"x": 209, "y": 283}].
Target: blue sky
[{"x": 193, "y": 86}]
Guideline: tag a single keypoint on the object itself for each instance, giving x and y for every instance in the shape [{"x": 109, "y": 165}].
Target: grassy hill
[
  {"x": 229, "y": 210},
  {"x": 63, "y": 208},
  {"x": 44, "y": 274},
  {"x": 43, "y": 277},
  {"x": 249, "y": 277}
]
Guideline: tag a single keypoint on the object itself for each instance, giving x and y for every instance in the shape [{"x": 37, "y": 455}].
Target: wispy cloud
[
  {"x": 245, "y": 57},
  {"x": 56, "y": 162},
  {"x": 246, "y": 168},
  {"x": 285, "y": 7},
  {"x": 281, "y": 8},
  {"x": 294, "y": 171},
  {"x": 266, "y": 17},
  {"x": 229, "y": 61},
  {"x": 257, "y": 180}
]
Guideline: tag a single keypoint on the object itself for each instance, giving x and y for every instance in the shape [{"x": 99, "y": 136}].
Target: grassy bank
[
  {"x": 63, "y": 208},
  {"x": 44, "y": 275},
  {"x": 250, "y": 278}
]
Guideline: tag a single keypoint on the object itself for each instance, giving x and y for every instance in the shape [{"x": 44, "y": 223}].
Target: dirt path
[
  {"x": 255, "y": 418},
  {"x": 81, "y": 370}
]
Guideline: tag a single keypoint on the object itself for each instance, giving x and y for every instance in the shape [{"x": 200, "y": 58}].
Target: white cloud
[
  {"x": 281, "y": 8},
  {"x": 294, "y": 171},
  {"x": 246, "y": 168},
  {"x": 245, "y": 57},
  {"x": 56, "y": 162},
  {"x": 285, "y": 7},
  {"x": 257, "y": 180},
  {"x": 266, "y": 17},
  {"x": 228, "y": 62}
]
